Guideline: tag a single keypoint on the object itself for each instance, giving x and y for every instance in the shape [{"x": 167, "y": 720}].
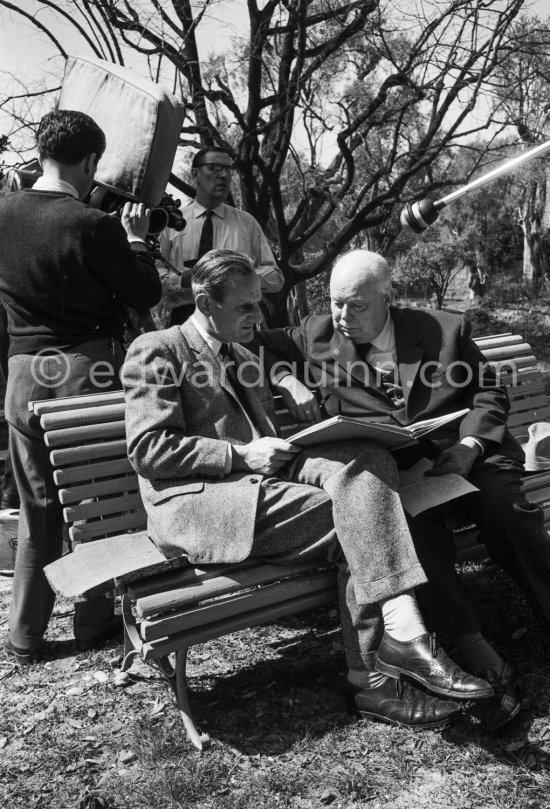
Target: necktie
[
  {"x": 363, "y": 349},
  {"x": 229, "y": 367},
  {"x": 206, "y": 242},
  {"x": 381, "y": 378}
]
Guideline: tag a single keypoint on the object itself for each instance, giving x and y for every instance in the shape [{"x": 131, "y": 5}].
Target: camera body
[{"x": 166, "y": 214}]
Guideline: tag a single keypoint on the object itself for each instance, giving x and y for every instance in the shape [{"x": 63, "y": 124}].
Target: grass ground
[{"x": 271, "y": 700}]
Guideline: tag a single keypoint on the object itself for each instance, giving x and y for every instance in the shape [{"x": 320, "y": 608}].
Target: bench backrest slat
[
  {"x": 83, "y": 416},
  {"x": 90, "y": 452},
  {"x": 507, "y": 352},
  {"x": 106, "y": 507},
  {"x": 526, "y": 406},
  {"x": 97, "y": 529},
  {"x": 519, "y": 419},
  {"x": 85, "y": 432},
  {"x": 495, "y": 340},
  {"x": 536, "y": 481},
  {"x": 93, "y": 470},
  {"x": 514, "y": 363},
  {"x": 527, "y": 388},
  {"x": 99, "y": 488},
  {"x": 75, "y": 402}
]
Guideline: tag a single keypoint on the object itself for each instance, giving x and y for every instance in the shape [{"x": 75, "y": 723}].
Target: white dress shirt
[
  {"x": 383, "y": 355},
  {"x": 214, "y": 345},
  {"x": 233, "y": 230}
]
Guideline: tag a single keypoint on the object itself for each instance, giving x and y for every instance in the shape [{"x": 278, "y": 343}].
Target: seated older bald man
[{"x": 401, "y": 365}]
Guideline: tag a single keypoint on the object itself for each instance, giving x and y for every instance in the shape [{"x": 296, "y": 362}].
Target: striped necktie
[{"x": 230, "y": 369}]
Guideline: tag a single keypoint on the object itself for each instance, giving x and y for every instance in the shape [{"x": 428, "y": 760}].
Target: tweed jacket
[
  {"x": 440, "y": 369},
  {"x": 180, "y": 415}
]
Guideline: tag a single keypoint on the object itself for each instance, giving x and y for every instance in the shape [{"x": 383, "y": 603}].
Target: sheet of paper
[{"x": 419, "y": 493}]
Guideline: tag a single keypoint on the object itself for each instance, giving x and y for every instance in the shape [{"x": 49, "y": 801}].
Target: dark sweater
[{"x": 65, "y": 270}]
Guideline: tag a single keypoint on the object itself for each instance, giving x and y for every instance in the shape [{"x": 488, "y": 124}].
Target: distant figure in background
[
  {"x": 477, "y": 283},
  {"x": 210, "y": 223}
]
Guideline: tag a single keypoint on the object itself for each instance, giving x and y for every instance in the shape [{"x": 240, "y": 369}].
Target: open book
[{"x": 390, "y": 435}]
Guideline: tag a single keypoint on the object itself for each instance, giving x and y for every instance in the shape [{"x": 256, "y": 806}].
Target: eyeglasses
[{"x": 217, "y": 168}]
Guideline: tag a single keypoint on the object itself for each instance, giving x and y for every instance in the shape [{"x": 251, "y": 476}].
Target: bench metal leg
[
  {"x": 177, "y": 678},
  {"x": 132, "y": 639}
]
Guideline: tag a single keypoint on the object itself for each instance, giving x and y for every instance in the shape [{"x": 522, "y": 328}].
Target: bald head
[
  {"x": 361, "y": 267},
  {"x": 360, "y": 295}
]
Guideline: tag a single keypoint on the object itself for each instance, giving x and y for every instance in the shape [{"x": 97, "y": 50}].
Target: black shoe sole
[
  {"x": 505, "y": 721},
  {"x": 398, "y": 673},
  {"x": 356, "y": 712}
]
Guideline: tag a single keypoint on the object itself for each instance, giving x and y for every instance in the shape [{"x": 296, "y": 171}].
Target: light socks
[
  {"x": 402, "y": 618},
  {"x": 476, "y": 655},
  {"x": 403, "y": 622}
]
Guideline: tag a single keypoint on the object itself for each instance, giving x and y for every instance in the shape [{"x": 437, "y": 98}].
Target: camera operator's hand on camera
[{"x": 135, "y": 219}]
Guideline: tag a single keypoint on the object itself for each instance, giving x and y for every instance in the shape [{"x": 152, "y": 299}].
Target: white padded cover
[{"x": 141, "y": 121}]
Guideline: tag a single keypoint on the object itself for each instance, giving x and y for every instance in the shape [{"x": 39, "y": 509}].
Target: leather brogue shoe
[
  {"x": 422, "y": 659},
  {"x": 496, "y": 712},
  {"x": 400, "y": 703}
]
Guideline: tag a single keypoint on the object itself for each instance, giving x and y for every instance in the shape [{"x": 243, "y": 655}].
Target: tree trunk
[{"x": 535, "y": 222}]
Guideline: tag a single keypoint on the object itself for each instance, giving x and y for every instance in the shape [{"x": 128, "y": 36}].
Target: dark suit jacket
[
  {"x": 180, "y": 416},
  {"x": 440, "y": 369}
]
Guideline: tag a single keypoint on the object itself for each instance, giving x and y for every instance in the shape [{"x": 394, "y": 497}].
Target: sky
[{"x": 27, "y": 55}]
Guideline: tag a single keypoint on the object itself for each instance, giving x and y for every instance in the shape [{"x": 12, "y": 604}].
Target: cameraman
[{"x": 66, "y": 270}]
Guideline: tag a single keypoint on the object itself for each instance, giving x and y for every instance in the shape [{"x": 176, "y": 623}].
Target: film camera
[{"x": 166, "y": 214}]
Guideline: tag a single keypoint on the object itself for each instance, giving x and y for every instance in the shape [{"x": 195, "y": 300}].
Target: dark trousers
[
  {"x": 41, "y": 526},
  {"x": 10, "y": 496},
  {"x": 512, "y": 530}
]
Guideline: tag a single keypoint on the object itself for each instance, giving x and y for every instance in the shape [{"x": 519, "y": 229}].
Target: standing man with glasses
[{"x": 210, "y": 223}]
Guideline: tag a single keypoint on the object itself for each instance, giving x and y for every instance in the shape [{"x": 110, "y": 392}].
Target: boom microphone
[{"x": 419, "y": 215}]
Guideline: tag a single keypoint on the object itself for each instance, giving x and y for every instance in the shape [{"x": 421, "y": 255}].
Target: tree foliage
[
  {"x": 522, "y": 98},
  {"x": 429, "y": 267},
  {"x": 487, "y": 220},
  {"x": 336, "y": 112}
]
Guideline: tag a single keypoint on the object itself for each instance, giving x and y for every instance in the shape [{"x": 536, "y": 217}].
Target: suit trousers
[
  {"x": 513, "y": 531},
  {"x": 340, "y": 501},
  {"x": 41, "y": 526}
]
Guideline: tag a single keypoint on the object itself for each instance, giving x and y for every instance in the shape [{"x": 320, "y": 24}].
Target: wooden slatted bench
[{"x": 166, "y": 613}]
